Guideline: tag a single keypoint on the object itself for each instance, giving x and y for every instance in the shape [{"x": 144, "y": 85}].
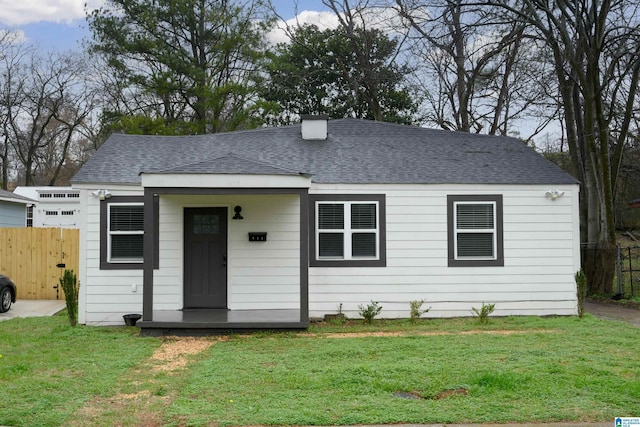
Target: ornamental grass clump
[{"x": 69, "y": 285}]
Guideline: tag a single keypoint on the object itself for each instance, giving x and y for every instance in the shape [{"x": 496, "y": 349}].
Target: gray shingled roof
[
  {"x": 228, "y": 164},
  {"x": 9, "y": 196},
  {"x": 356, "y": 151}
]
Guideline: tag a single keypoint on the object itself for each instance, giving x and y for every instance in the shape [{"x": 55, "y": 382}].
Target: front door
[{"x": 205, "y": 258}]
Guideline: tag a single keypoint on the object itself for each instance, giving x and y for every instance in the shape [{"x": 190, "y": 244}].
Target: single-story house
[
  {"x": 57, "y": 206},
  {"x": 272, "y": 227},
  {"x": 13, "y": 209}
]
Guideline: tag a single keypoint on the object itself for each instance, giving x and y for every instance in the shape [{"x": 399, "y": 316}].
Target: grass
[
  {"x": 514, "y": 369},
  {"x": 48, "y": 370}
]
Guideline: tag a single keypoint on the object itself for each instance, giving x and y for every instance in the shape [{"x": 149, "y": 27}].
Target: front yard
[{"x": 437, "y": 371}]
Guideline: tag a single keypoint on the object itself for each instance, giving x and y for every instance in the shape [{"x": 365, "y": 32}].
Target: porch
[
  {"x": 230, "y": 282},
  {"x": 218, "y": 321}
]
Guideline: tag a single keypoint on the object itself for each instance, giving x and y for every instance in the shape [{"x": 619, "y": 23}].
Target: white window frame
[
  {"x": 493, "y": 231},
  {"x": 30, "y": 209},
  {"x": 110, "y": 233},
  {"x": 347, "y": 232}
]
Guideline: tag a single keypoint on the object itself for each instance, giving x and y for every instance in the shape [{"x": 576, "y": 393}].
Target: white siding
[
  {"x": 261, "y": 275},
  {"x": 541, "y": 256},
  {"x": 105, "y": 295}
]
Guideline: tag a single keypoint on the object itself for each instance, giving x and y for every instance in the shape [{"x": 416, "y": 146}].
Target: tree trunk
[{"x": 599, "y": 264}]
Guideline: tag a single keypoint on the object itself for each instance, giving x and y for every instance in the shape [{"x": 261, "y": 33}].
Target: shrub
[
  {"x": 70, "y": 287},
  {"x": 416, "y": 309},
  {"x": 370, "y": 311},
  {"x": 581, "y": 285},
  {"x": 483, "y": 313}
]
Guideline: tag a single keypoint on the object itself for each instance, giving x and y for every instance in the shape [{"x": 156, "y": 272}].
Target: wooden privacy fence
[{"x": 35, "y": 259}]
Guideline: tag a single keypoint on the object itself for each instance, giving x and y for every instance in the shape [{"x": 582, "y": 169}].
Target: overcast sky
[{"x": 61, "y": 23}]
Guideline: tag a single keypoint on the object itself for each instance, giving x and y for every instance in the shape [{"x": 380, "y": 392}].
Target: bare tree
[
  {"x": 474, "y": 72},
  {"x": 594, "y": 49},
  {"x": 45, "y": 101},
  {"x": 13, "y": 79}
]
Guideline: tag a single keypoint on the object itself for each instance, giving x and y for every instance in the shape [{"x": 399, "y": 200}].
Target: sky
[{"x": 61, "y": 23}]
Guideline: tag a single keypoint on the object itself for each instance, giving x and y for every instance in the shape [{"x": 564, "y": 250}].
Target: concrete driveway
[
  {"x": 613, "y": 312},
  {"x": 33, "y": 308}
]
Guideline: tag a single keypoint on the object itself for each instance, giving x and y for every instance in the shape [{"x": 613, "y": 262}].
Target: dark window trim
[
  {"x": 104, "y": 264},
  {"x": 499, "y": 261},
  {"x": 382, "y": 215}
]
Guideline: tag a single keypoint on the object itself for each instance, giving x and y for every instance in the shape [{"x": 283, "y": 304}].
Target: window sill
[
  {"x": 476, "y": 263},
  {"x": 122, "y": 266},
  {"x": 348, "y": 263}
]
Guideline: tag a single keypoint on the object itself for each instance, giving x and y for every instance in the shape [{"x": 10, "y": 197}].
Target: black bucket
[{"x": 131, "y": 319}]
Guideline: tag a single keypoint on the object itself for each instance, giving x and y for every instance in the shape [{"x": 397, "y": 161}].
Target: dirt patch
[
  {"x": 449, "y": 393},
  {"x": 444, "y": 394},
  {"x": 624, "y": 304},
  {"x": 172, "y": 354},
  {"x": 429, "y": 333},
  {"x": 171, "y": 357},
  {"x": 120, "y": 409}
]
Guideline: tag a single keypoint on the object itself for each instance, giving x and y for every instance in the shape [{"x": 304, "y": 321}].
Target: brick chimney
[{"x": 314, "y": 127}]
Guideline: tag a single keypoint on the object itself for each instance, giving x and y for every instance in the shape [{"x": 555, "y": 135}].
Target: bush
[
  {"x": 484, "y": 312},
  {"x": 416, "y": 309},
  {"x": 370, "y": 311},
  {"x": 70, "y": 287}
]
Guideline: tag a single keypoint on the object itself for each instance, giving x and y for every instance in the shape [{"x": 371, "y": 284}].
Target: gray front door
[{"x": 205, "y": 258}]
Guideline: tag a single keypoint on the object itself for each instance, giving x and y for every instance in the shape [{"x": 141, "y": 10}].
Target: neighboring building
[
  {"x": 268, "y": 228},
  {"x": 57, "y": 206},
  {"x": 13, "y": 209},
  {"x": 634, "y": 204}
]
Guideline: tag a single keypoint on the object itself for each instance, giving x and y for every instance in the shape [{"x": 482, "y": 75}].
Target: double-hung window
[
  {"x": 475, "y": 230},
  {"x": 126, "y": 232},
  {"x": 122, "y": 233},
  {"x": 348, "y": 230}
]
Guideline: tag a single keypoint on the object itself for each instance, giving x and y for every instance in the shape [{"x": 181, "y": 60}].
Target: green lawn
[{"x": 437, "y": 371}]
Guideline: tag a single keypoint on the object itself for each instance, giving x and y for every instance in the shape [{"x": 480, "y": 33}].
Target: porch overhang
[
  {"x": 204, "y": 180},
  {"x": 296, "y": 319}
]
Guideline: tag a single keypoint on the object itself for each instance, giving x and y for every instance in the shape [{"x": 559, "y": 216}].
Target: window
[
  {"x": 73, "y": 195},
  {"x": 67, "y": 213},
  {"x": 30, "y": 216},
  {"x": 45, "y": 195},
  {"x": 475, "y": 231},
  {"x": 347, "y": 230},
  {"x": 51, "y": 213},
  {"x": 59, "y": 195},
  {"x": 126, "y": 232},
  {"x": 122, "y": 233}
]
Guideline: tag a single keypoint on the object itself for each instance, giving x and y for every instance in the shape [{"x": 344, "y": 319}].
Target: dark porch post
[
  {"x": 304, "y": 255},
  {"x": 148, "y": 254}
]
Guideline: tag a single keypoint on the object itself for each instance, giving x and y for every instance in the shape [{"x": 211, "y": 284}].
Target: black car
[{"x": 7, "y": 293}]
